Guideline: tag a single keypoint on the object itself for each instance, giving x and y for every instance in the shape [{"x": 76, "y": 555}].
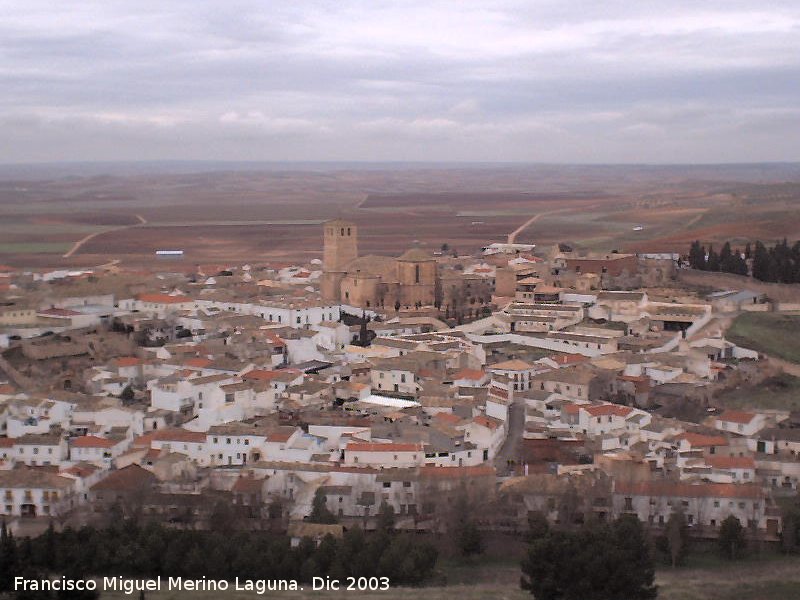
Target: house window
[
  {"x": 406, "y": 484},
  {"x": 387, "y": 484}
]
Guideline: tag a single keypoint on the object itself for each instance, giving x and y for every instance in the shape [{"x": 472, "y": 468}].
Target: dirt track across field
[{"x": 83, "y": 240}]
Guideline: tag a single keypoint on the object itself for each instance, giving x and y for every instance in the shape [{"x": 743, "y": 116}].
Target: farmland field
[
  {"x": 769, "y": 333},
  {"x": 273, "y": 215}
]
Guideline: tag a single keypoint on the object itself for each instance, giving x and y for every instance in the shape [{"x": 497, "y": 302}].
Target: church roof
[
  {"x": 373, "y": 265},
  {"x": 415, "y": 255},
  {"x": 339, "y": 222}
]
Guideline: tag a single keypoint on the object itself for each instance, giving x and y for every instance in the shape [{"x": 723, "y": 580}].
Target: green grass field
[
  {"x": 771, "y": 333},
  {"x": 34, "y": 247},
  {"x": 781, "y": 392}
]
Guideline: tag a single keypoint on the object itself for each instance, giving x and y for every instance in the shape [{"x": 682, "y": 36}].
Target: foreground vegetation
[
  {"x": 774, "y": 334},
  {"x": 780, "y": 392},
  {"x": 152, "y": 551}
]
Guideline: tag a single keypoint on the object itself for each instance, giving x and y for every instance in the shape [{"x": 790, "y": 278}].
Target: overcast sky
[{"x": 545, "y": 81}]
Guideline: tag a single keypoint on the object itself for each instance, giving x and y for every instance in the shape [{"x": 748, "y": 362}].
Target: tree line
[
  {"x": 776, "y": 264},
  {"x": 131, "y": 550},
  {"x": 610, "y": 560}
]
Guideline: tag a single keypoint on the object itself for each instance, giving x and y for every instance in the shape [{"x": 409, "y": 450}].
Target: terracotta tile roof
[
  {"x": 162, "y": 299},
  {"x": 33, "y": 478},
  {"x": 281, "y": 434},
  {"x": 81, "y": 470},
  {"x": 6, "y": 442},
  {"x": 472, "y": 374},
  {"x": 127, "y": 479},
  {"x": 179, "y": 435},
  {"x": 511, "y": 365},
  {"x": 373, "y": 447},
  {"x": 247, "y": 485},
  {"x": 488, "y": 422},
  {"x": 267, "y": 375},
  {"x": 198, "y": 362},
  {"x": 731, "y": 462},
  {"x": 737, "y": 416},
  {"x": 91, "y": 441},
  {"x": 568, "y": 359},
  {"x": 430, "y": 471},
  {"x": 699, "y": 440},
  {"x": 448, "y": 418},
  {"x": 128, "y": 361},
  {"x": 688, "y": 490},
  {"x": 603, "y": 410}
]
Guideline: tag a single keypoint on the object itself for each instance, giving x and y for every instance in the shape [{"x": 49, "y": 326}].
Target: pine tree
[
  {"x": 677, "y": 537},
  {"x": 712, "y": 264},
  {"x": 697, "y": 256},
  {"x": 386, "y": 518},
  {"x": 8, "y": 559},
  {"x": 319, "y": 509},
  {"x": 731, "y": 539}
]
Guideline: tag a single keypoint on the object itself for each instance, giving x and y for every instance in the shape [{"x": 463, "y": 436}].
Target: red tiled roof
[
  {"x": 568, "y": 359},
  {"x": 737, "y": 416},
  {"x": 267, "y": 375},
  {"x": 128, "y": 361},
  {"x": 472, "y": 374},
  {"x": 699, "y": 440},
  {"x": 127, "y": 479},
  {"x": 162, "y": 298},
  {"x": 247, "y": 485},
  {"x": 81, "y": 470},
  {"x": 179, "y": 435},
  {"x": 456, "y": 472},
  {"x": 603, "y": 410},
  {"x": 198, "y": 362},
  {"x": 373, "y": 447},
  {"x": 448, "y": 418},
  {"x": 732, "y": 462},
  {"x": 91, "y": 441},
  {"x": 6, "y": 442},
  {"x": 688, "y": 490},
  {"x": 281, "y": 434},
  {"x": 487, "y": 422}
]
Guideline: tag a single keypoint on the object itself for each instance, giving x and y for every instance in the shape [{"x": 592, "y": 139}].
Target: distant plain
[{"x": 270, "y": 215}]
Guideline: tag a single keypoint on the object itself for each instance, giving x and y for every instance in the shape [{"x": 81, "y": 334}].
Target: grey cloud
[{"x": 617, "y": 81}]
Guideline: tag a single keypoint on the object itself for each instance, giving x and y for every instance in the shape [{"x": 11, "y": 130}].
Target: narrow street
[{"x": 510, "y": 448}]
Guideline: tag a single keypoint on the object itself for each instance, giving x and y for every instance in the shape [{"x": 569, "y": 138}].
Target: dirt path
[
  {"x": 512, "y": 237},
  {"x": 77, "y": 245}
]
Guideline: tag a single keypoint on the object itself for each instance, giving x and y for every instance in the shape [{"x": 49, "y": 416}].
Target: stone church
[{"x": 374, "y": 281}]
